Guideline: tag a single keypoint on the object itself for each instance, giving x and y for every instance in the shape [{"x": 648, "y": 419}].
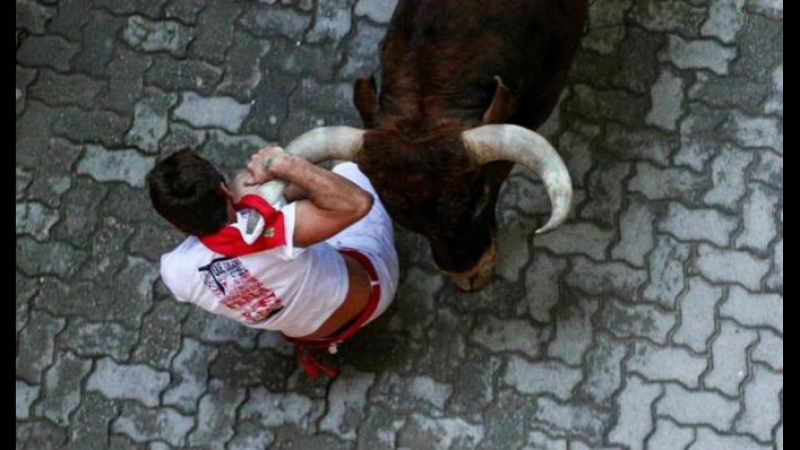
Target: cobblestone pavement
[{"x": 653, "y": 319}]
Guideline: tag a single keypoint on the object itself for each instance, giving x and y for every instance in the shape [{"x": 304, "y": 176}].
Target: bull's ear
[
  {"x": 365, "y": 97},
  {"x": 503, "y": 104}
]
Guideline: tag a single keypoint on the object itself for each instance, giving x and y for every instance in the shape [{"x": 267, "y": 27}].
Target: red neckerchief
[{"x": 228, "y": 241}]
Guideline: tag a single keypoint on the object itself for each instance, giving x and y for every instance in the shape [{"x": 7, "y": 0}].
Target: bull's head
[{"x": 446, "y": 188}]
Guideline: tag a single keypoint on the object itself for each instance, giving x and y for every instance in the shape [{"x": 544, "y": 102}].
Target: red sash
[{"x": 228, "y": 241}]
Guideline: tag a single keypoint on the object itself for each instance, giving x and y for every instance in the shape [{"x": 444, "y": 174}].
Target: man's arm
[{"x": 333, "y": 202}]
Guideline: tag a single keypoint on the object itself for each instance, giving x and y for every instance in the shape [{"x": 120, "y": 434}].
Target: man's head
[{"x": 190, "y": 193}]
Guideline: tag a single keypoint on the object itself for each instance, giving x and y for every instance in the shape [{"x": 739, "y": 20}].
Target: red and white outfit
[{"x": 263, "y": 281}]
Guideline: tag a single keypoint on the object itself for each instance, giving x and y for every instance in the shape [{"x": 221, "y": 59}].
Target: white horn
[
  {"x": 523, "y": 146},
  {"x": 316, "y": 146}
]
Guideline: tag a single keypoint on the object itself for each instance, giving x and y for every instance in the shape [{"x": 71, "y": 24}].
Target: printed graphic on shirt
[{"x": 237, "y": 289}]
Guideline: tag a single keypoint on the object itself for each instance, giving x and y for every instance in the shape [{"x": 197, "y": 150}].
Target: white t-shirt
[{"x": 288, "y": 289}]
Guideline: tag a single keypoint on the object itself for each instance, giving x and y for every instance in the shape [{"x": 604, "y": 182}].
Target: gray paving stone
[
  {"x": 108, "y": 256},
  {"x": 754, "y": 132},
  {"x": 728, "y": 176},
  {"x": 636, "y": 233},
  {"x": 35, "y": 219},
  {"x": 273, "y": 409},
  {"x": 40, "y": 435},
  {"x": 150, "y": 121},
  {"x": 604, "y": 31},
  {"x": 185, "y": 11},
  {"x": 774, "y": 104},
  {"x": 699, "y": 135},
  {"x": 149, "y": 8},
  {"x": 697, "y": 407},
  {"x": 540, "y": 441},
  {"x": 411, "y": 393},
  {"x": 347, "y": 402},
  {"x": 729, "y": 357},
  {"x": 62, "y": 387},
  {"x": 33, "y": 17},
  {"x": 146, "y": 424},
  {"x": 46, "y": 51},
  {"x": 155, "y": 36},
  {"x": 757, "y": 34},
  {"x": 505, "y": 419},
  {"x": 602, "y": 371},
  {"x": 779, "y": 438},
  {"x": 754, "y": 309},
  {"x": 666, "y": 364},
  {"x": 636, "y": 320},
  {"x": 290, "y": 437},
  {"x": 36, "y": 344},
  {"x": 473, "y": 387},
  {"x": 79, "y": 223},
  {"x": 759, "y": 218},
  {"x": 603, "y": 105},
  {"x": 97, "y": 50},
  {"x": 638, "y": 60},
  {"x": 213, "y": 430},
  {"x": 378, "y": 430},
  {"x": 697, "y": 310},
  {"x": 667, "y": 264},
  {"x": 668, "y": 436},
  {"x": 725, "y": 20},
  {"x": 500, "y": 335},
  {"x": 573, "y": 335},
  {"x": 377, "y": 10},
  {"x": 698, "y": 224},
  {"x": 52, "y": 158},
  {"x": 332, "y": 22},
  {"x": 127, "y": 381},
  {"x": 159, "y": 338},
  {"x": 207, "y": 327},
  {"x": 26, "y": 289},
  {"x": 730, "y": 266},
  {"x": 605, "y": 278},
  {"x": 214, "y": 32},
  {"x": 266, "y": 21},
  {"x": 666, "y": 96},
  {"x": 577, "y": 238},
  {"x": 775, "y": 278},
  {"x": 762, "y": 405},
  {"x": 359, "y": 54},
  {"x": 242, "y": 67},
  {"x": 170, "y": 75},
  {"x": 446, "y": 433},
  {"x": 220, "y": 112},
  {"x": 191, "y": 365},
  {"x": 709, "y": 440},
  {"x": 96, "y": 339},
  {"x": 56, "y": 89},
  {"x": 698, "y": 54},
  {"x": 578, "y": 445},
  {"x": 512, "y": 251},
  {"x": 541, "y": 377},
  {"x": 575, "y": 148},
  {"x": 634, "y": 423},
  {"x": 572, "y": 419},
  {"x": 769, "y": 350},
  {"x": 102, "y": 127},
  {"x": 730, "y": 92},
  {"x": 675, "y": 16},
  {"x": 250, "y": 436},
  {"x": 769, "y": 169},
  {"x": 72, "y": 16},
  {"x": 672, "y": 183},
  {"x": 25, "y": 396},
  {"x": 771, "y": 8},
  {"x": 90, "y": 422}
]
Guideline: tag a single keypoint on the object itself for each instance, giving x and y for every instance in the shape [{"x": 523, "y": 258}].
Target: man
[{"x": 315, "y": 269}]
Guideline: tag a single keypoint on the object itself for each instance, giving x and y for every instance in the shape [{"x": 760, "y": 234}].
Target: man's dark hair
[{"x": 185, "y": 190}]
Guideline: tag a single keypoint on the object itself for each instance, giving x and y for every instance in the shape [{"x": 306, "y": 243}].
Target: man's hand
[{"x": 259, "y": 169}]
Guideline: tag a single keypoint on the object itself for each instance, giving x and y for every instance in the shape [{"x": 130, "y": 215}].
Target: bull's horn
[
  {"x": 523, "y": 146},
  {"x": 326, "y": 143},
  {"x": 316, "y": 146}
]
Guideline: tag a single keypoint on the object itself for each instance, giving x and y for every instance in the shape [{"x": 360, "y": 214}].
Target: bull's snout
[{"x": 479, "y": 276}]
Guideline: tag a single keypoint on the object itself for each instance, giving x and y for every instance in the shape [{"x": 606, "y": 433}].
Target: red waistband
[{"x": 303, "y": 347}]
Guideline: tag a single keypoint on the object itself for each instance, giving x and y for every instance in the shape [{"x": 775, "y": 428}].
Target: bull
[{"x": 463, "y": 85}]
